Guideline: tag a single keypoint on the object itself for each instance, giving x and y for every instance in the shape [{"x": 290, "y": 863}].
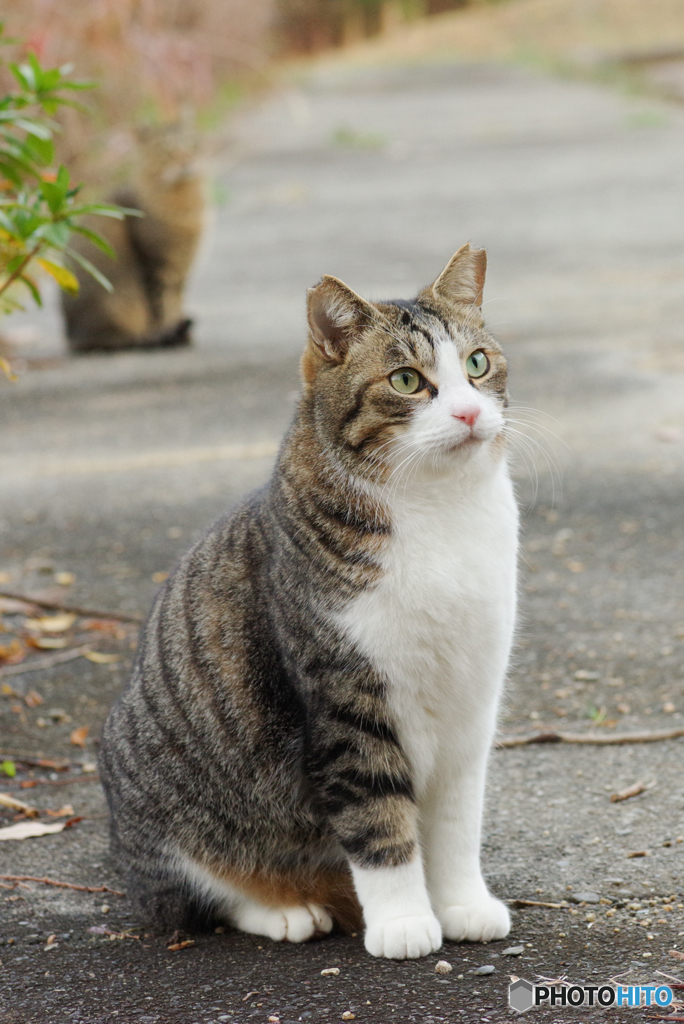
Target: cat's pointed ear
[
  {"x": 463, "y": 278},
  {"x": 336, "y": 314}
]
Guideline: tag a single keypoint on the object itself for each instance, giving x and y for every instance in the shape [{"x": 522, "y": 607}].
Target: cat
[
  {"x": 305, "y": 734},
  {"x": 154, "y": 252}
]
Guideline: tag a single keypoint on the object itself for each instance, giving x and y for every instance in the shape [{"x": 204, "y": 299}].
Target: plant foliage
[{"x": 39, "y": 208}]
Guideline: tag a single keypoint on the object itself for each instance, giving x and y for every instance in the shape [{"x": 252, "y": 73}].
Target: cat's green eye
[
  {"x": 477, "y": 364},
  {"x": 406, "y": 381}
]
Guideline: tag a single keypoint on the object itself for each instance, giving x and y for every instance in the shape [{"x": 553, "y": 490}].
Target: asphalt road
[{"x": 111, "y": 466}]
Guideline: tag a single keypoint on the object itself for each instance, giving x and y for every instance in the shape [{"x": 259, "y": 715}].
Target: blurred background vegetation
[{"x": 153, "y": 59}]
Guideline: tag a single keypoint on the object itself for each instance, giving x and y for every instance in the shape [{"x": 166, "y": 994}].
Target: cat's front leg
[
  {"x": 453, "y": 820},
  {"x": 364, "y": 786},
  {"x": 400, "y": 922}
]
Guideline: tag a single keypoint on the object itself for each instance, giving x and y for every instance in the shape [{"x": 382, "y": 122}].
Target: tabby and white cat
[{"x": 308, "y": 722}]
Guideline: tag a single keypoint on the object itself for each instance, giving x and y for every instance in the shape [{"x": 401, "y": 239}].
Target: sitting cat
[
  {"x": 314, "y": 699},
  {"x": 154, "y": 253}
]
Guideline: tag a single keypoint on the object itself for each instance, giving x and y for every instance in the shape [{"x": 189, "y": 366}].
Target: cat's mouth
[{"x": 465, "y": 443}]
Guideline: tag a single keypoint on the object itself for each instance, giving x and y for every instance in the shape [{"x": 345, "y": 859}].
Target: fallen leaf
[
  {"x": 101, "y": 659},
  {"x": 50, "y": 940},
  {"x": 47, "y": 643},
  {"x": 11, "y": 606},
  {"x": 63, "y": 812},
  {"x": 637, "y": 853},
  {"x": 8, "y": 768},
  {"x": 174, "y": 947},
  {"x": 625, "y": 794},
  {"x": 31, "y": 829},
  {"x": 13, "y": 652},
  {"x": 65, "y": 579},
  {"x": 78, "y": 736},
  {"x": 59, "y": 716},
  {"x": 55, "y": 766},
  {"x": 51, "y": 623},
  {"x": 112, "y": 626},
  {"x": 33, "y": 699},
  {"x": 18, "y": 805}
]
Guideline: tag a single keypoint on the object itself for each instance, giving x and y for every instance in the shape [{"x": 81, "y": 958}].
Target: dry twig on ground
[
  {"x": 62, "y": 885},
  {"x": 598, "y": 739},
  {"x": 39, "y": 664},
  {"x": 539, "y": 903},
  {"x": 59, "y": 606}
]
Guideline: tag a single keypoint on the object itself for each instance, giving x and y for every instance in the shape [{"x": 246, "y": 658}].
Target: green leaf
[
  {"x": 8, "y": 768},
  {"x": 54, "y": 195},
  {"x": 28, "y": 74},
  {"x": 14, "y": 264},
  {"x": 96, "y": 239},
  {"x": 90, "y": 269},
  {"x": 105, "y": 210},
  {"x": 78, "y": 85},
  {"x": 55, "y": 233},
  {"x": 63, "y": 179},
  {"x": 32, "y": 287},
  {"x": 18, "y": 73},
  {"x": 52, "y": 78},
  {"x": 35, "y": 67},
  {"x": 43, "y": 150},
  {"x": 33, "y": 127},
  {"x": 10, "y": 172},
  {"x": 7, "y": 223},
  {"x": 64, "y": 278}
]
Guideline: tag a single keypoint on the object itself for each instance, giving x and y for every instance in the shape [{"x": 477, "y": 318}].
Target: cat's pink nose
[{"x": 468, "y": 415}]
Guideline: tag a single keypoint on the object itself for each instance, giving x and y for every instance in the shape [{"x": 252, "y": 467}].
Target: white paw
[
  {"x": 404, "y": 938},
  {"x": 481, "y": 921},
  {"x": 293, "y": 924}
]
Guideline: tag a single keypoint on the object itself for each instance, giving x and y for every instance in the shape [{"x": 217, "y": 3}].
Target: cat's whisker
[
  {"x": 531, "y": 445},
  {"x": 544, "y": 433},
  {"x": 526, "y": 454}
]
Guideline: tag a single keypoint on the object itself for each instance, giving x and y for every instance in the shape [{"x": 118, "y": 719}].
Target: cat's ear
[
  {"x": 336, "y": 314},
  {"x": 463, "y": 278}
]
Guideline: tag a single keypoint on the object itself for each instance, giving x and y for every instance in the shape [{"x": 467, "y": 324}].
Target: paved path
[{"x": 111, "y": 466}]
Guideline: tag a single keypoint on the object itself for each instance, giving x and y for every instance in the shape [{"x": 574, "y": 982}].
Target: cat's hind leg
[
  {"x": 258, "y": 906},
  {"x": 291, "y": 924}
]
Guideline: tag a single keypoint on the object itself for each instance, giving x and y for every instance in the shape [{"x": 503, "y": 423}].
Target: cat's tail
[{"x": 167, "y": 903}]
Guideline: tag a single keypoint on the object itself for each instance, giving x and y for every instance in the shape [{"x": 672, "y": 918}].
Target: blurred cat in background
[
  {"x": 154, "y": 252},
  {"x": 305, "y": 735}
]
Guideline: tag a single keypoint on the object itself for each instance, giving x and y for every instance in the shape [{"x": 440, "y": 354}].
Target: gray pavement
[{"x": 111, "y": 466}]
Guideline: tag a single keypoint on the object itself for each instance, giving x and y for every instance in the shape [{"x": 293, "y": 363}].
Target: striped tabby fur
[{"x": 261, "y": 766}]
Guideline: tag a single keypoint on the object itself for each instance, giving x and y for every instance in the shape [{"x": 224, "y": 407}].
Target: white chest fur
[{"x": 438, "y": 627}]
